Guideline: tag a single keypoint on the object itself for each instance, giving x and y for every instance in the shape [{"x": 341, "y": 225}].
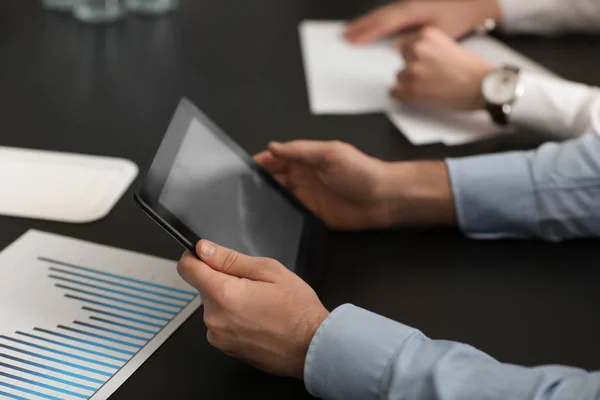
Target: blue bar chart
[{"x": 75, "y": 329}]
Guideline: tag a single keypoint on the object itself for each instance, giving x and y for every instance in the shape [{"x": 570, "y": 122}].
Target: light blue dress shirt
[
  {"x": 551, "y": 193},
  {"x": 359, "y": 355}
]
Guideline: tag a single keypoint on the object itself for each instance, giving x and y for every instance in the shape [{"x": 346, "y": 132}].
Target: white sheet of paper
[
  {"x": 78, "y": 318},
  {"x": 423, "y": 126},
  {"x": 345, "y": 79},
  {"x": 61, "y": 186}
]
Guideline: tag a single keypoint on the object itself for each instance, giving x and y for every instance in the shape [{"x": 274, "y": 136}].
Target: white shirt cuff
[
  {"x": 556, "y": 106},
  {"x": 529, "y": 16},
  {"x": 550, "y": 16}
]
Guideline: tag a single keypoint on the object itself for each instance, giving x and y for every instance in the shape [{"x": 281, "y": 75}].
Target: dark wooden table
[{"x": 111, "y": 91}]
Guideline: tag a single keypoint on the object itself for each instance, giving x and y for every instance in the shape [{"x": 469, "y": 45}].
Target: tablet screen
[{"x": 221, "y": 198}]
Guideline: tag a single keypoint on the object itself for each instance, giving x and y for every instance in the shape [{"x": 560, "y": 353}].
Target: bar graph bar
[
  {"x": 118, "y": 277},
  {"x": 109, "y": 317},
  {"x": 96, "y": 353}
]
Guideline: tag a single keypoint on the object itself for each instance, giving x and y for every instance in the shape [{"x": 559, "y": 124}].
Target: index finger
[
  {"x": 382, "y": 22},
  {"x": 310, "y": 152},
  {"x": 406, "y": 38},
  {"x": 405, "y": 44},
  {"x": 198, "y": 274},
  {"x": 270, "y": 163},
  {"x": 358, "y": 27}
]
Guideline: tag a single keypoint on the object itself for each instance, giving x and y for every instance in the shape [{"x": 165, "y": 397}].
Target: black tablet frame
[{"x": 313, "y": 231}]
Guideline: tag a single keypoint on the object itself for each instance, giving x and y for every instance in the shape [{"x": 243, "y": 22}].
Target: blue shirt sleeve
[
  {"x": 552, "y": 193},
  {"x": 356, "y": 354}
]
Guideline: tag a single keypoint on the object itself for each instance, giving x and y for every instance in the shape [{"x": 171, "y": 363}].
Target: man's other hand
[{"x": 340, "y": 184}]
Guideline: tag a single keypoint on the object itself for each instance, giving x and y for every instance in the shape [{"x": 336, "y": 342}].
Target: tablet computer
[{"x": 201, "y": 184}]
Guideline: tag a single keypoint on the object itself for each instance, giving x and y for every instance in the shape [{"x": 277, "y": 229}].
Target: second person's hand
[
  {"x": 454, "y": 17},
  {"x": 440, "y": 73}
]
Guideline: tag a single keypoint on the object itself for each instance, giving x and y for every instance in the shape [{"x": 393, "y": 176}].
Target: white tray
[{"x": 61, "y": 186}]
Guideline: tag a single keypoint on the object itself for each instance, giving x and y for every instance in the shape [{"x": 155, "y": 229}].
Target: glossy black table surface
[{"x": 111, "y": 90}]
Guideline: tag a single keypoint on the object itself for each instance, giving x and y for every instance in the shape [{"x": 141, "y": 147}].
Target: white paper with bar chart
[{"x": 78, "y": 318}]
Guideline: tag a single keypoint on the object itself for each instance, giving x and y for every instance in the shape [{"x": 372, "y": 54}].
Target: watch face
[{"x": 501, "y": 86}]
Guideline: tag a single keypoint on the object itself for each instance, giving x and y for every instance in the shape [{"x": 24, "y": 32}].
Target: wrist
[
  {"x": 418, "y": 193},
  {"x": 479, "y": 73},
  {"x": 313, "y": 321},
  {"x": 491, "y": 9}
]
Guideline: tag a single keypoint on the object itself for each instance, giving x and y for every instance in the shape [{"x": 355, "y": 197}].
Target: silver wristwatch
[{"x": 500, "y": 89}]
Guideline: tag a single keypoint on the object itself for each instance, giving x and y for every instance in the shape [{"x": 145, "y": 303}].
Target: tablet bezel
[{"x": 157, "y": 173}]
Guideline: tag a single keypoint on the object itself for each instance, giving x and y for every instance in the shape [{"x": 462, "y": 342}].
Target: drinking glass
[
  {"x": 151, "y": 6},
  {"x": 99, "y": 11},
  {"x": 58, "y": 5}
]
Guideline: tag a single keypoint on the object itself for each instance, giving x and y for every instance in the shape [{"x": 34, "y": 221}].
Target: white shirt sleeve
[
  {"x": 550, "y": 16},
  {"x": 556, "y": 106}
]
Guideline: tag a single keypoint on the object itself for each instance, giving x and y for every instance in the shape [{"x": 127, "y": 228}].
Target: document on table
[
  {"x": 346, "y": 79},
  {"x": 78, "y": 318},
  {"x": 61, "y": 186}
]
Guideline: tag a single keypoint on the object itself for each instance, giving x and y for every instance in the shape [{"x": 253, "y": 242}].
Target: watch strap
[{"x": 500, "y": 113}]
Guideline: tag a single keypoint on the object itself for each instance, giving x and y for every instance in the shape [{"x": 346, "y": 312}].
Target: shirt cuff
[
  {"x": 528, "y": 16},
  {"x": 494, "y": 195},
  {"x": 350, "y": 352},
  {"x": 555, "y": 106}
]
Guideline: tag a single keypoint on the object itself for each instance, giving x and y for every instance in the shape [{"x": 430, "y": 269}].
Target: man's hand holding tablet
[
  {"x": 343, "y": 186},
  {"x": 350, "y": 190},
  {"x": 254, "y": 308}
]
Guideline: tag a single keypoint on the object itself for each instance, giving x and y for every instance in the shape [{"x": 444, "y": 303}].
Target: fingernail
[{"x": 207, "y": 249}]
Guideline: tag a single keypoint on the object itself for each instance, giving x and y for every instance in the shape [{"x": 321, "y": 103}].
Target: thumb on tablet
[{"x": 239, "y": 265}]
